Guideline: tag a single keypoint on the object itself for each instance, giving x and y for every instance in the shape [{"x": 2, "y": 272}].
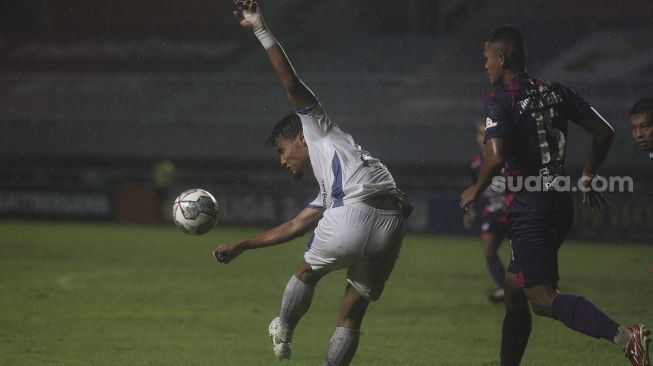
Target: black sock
[{"x": 514, "y": 335}]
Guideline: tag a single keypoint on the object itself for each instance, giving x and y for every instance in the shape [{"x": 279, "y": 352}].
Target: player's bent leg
[
  {"x": 344, "y": 342},
  {"x": 581, "y": 315},
  {"x": 297, "y": 297},
  {"x": 576, "y": 312},
  {"x": 308, "y": 275},
  {"x": 375, "y": 259},
  {"x": 352, "y": 309},
  {"x": 515, "y": 296},
  {"x": 517, "y": 323},
  {"x": 296, "y": 301}
]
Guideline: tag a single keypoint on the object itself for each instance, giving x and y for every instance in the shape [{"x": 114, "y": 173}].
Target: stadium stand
[{"x": 93, "y": 94}]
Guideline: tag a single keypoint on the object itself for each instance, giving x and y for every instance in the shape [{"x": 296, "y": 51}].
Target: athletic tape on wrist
[{"x": 265, "y": 37}]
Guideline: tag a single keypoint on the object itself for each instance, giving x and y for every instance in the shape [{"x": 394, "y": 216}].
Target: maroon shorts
[{"x": 535, "y": 238}]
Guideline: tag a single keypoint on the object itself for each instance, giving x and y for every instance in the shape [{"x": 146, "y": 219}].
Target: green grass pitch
[{"x": 107, "y": 294}]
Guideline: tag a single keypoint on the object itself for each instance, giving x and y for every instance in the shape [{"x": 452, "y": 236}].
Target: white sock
[
  {"x": 296, "y": 300},
  {"x": 622, "y": 336},
  {"x": 342, "y": 347}
]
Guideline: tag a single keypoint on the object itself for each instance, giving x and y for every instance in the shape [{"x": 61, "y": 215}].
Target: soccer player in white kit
[{"x": 358, "y": 215}]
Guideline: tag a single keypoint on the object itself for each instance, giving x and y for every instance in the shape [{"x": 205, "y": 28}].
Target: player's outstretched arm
[
  {"x": 250, "y": 17},
  {"x": 494, "y": 159},
  {"x": 297, "y": 226},
  {"x": 602, "y": 136}
]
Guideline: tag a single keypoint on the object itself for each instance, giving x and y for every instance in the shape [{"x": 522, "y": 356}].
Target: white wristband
[{"x": 265, "y": 37}]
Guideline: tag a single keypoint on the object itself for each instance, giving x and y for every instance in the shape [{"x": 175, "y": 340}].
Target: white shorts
[{"x": 361, "y": 238}]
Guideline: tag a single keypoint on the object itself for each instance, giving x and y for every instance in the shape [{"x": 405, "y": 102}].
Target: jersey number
[{"x": 544, "y": 129}]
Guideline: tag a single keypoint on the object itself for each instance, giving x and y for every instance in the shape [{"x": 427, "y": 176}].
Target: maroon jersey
[{"x": 532, "y": 116}]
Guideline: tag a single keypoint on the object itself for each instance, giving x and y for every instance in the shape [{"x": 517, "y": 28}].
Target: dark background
[{"x": 110, "y": 109}]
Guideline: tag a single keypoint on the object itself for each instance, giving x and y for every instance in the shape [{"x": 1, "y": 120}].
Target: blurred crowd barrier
[{"x": 628, "y": 219}]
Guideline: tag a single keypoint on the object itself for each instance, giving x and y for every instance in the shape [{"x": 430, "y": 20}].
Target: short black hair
[
  {"x": 513, "y": 43},
  {"x": 287, "y": 128},
  {"x": 643, "y": 106}
]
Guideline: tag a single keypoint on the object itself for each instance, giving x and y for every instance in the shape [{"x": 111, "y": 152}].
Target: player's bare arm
[
  {"x": 603, "y": 135},
  {"x": 250, "y": 17},
  {"x": 306, "y": 220},
  {"x": 495, "y": 157}
]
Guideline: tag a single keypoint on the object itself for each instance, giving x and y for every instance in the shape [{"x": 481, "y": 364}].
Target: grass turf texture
[{"x": 104, "y": 294}]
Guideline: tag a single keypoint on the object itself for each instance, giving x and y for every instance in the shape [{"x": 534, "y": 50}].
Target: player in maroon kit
[{"x": 526, "y": 126}]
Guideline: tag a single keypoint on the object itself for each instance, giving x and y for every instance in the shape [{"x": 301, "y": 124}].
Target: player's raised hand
[
  {"x": 248, "y": 14},
  {"x": 226, "y": 252}
]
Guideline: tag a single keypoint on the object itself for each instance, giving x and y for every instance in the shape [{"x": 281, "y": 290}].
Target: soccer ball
[{"x": 195, "y": 211}]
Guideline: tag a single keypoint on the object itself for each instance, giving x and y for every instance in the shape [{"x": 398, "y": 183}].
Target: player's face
[
  {"x": 642, "y": 128},
  {"x": 493, "y": 66},
  {"x": 293, "y": 155},
  {"x": 480, "y": 135}
]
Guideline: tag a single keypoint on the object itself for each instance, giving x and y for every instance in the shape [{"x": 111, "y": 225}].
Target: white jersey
[{"x": 345, "y": 173}]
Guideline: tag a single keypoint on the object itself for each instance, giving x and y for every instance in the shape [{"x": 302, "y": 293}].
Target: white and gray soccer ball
[{"x": 195, "y": 211}]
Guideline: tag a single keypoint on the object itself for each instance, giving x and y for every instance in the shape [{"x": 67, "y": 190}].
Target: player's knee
[
  {"x": 538, "y": 308},
  {"x": 306, "y": 274},
  {"x": 541, "y": 305},
  {"x": 368, "y": 291},
  {"x": 515, "y": 299},
  {"x": 374, "y": 295}
]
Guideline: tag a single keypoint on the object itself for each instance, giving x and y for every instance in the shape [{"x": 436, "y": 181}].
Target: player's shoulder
[
  {"x": 543, "y": 86},
  {"x": 497, "y": 96},
  {"x": 569, "y": 96},
  {"x": 497, "y": 102},
  {"x": 553, "y": 85},
  {"x": 505, "y": 93},
  {"x": 496, "y": 93},
  {"x": 540, "y": 81}
]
